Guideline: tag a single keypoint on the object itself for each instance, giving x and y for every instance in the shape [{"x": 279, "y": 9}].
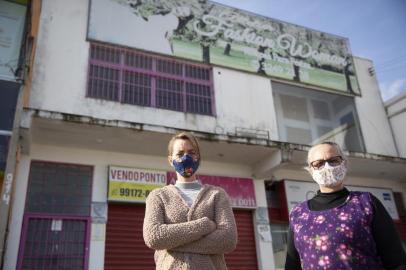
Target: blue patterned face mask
[{"x": 187, "y": 166}]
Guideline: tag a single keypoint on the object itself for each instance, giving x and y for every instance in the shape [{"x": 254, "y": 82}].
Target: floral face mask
[
  {"x": 187, "y": 166},
  {"x": 330, "y": 176}
]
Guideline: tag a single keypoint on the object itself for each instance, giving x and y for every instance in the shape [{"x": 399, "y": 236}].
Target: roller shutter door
[
  {"x": 125, "y": 248},
  {"x": 244, "y": 257}
]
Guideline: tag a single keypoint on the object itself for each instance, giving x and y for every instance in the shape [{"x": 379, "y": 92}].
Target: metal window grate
[
  {"x": 131, "y": 77},
  {"x": 169, "y": 67},
  {"x": 197, "y": 73},
  {"x": 136, "y": 89},
  {"x": 56, "y": 188},
  {"x": 105, "y": 53},
  {"x": 198, "y": 99},
  {"x": 103, "y": 83},
  {"x": 169, "y": 94},
  {"x": 133, "y": 59},
  {"x": 54, "y": 243}
]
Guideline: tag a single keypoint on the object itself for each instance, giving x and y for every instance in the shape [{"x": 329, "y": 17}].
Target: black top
[{"x": 388, "y": 244}]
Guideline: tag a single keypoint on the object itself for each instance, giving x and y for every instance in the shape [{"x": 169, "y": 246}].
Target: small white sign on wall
[
  {"x": 264, "y": 232},
  {"x": 56, "y": 225},
  {"x": 99, "y": 212},
  {"x": 98, "y": 232}
]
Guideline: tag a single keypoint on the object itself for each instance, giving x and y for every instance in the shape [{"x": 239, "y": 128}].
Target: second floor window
[
  {"x": 132, "y": 77},
  {"x": 309, "y": 117}
]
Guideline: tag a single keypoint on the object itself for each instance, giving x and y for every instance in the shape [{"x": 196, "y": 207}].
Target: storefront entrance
[
  {"x": 56, "y": 225},
  {"x": 125, "y": 248}
]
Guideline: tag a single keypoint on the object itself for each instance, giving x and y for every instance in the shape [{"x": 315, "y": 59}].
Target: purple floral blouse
[{"x": 337, "y": 238}]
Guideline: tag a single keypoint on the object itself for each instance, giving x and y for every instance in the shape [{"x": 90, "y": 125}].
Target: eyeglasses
[{"x": 319, "y": 164}]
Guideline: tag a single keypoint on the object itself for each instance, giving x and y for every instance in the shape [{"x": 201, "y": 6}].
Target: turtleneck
[
  {"x": 188, "y": 185},
  {"x": 323, "y": 201},
  {"x": 189, "y": 190}
]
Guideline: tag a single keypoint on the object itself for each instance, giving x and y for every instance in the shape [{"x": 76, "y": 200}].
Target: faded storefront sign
[{"x": 212, "y": 33}]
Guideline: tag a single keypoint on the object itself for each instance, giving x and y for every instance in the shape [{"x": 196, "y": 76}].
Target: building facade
[
  {"x": 114, "y": 80},
  {"x": 14, "y": 50},
  {"x": 395, "y": 109}
]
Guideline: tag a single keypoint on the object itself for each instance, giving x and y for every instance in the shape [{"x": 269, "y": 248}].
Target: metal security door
[
  {"x": 56, "y": 226},
  {"x": 52, "y": 242}
]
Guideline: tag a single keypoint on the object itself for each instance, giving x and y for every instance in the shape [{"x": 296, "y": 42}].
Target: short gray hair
[{"x": 335, "y": 145}]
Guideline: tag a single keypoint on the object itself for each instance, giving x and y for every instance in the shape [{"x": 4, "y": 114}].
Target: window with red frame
[{"x": 132, "y": 77}]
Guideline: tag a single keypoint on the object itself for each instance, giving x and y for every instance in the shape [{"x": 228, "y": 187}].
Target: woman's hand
[{"x": 210, "y": 224}]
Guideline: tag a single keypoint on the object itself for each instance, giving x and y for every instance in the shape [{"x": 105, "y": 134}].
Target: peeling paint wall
[{"x": 244, "y": 100}]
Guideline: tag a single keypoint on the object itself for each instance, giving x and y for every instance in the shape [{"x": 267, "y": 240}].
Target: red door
[
  {"x": 244, "y": 257},
  {"x": 125, "y": 248}
]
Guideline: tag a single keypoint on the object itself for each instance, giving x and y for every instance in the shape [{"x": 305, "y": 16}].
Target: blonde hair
[{"x": 184, "y": 136}]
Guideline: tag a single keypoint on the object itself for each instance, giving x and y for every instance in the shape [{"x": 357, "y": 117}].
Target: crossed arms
[{"x": 202, "y": 235}]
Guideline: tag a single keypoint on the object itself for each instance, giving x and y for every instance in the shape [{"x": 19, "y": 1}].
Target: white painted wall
[
  {"x": 374, "y": 124},
  {"x": 396, "y": 111},
  {"x": 264, "y": 249},
  {"x": 60, "y": 73},
  {"x": 396, "y": 104},
  {"x": 100, "y": 160},
  {"x": 244, "y": 100}
]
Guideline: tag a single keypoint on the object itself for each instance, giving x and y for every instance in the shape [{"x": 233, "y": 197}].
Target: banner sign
[
  {"x": 240, "y": 190},
  {"x": 133, "y": 185},
  {"x": 12, "y": 17},
  {"x": 212, "y": 33},
  {"x": 297, "y": 192}
]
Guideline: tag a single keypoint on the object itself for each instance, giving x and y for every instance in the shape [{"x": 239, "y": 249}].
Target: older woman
[
  {"x": 338, "y": 228},
  {"x": 189, "y": 225}
]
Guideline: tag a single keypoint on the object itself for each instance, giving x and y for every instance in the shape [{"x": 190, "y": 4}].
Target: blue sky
[{"x": 376, "y": 29}]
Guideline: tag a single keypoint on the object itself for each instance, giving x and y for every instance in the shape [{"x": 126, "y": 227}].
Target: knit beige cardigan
[{"x": 192, "y": 238}]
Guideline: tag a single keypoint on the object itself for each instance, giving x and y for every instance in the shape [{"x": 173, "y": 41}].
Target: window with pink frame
[{"x": 137, "y": 78}]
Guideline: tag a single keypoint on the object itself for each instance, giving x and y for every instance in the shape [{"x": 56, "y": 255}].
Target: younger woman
[{"x": 189, "y": 225}]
